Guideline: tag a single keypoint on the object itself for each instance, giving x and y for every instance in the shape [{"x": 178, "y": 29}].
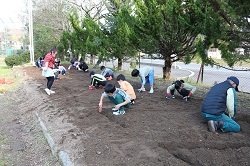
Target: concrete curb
[{"x": 61, "y": 155}]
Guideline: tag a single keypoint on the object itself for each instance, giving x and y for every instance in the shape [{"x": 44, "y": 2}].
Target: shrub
[
  {"x": 26, "y": 57},
  {"x": 13, "y": 60}
]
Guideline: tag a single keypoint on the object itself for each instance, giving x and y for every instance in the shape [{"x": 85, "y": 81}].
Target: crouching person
[
  {"x": 118, "y": 97},
  {"x": 219, "y": 106},
  {"x": 127, "y": 87},
  {"x": 107, "y": 73},
  {"x": 184, "y": 89},
  {"x": 97, "y": 80}
]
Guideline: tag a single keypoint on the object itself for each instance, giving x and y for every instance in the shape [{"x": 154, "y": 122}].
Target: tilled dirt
[{"x": 153, "y": 132}]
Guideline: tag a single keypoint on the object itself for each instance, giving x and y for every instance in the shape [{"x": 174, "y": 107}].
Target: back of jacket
[{"x": 215, "y": 101}]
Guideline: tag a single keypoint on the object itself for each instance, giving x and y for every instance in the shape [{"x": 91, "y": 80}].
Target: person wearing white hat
[{"x": 220, "y": 98}]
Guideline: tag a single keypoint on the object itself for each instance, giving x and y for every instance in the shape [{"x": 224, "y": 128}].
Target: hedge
[{"x": 13, "y": 60}]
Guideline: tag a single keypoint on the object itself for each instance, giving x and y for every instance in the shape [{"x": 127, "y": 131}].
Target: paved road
[{"x": 190, "y": 71}]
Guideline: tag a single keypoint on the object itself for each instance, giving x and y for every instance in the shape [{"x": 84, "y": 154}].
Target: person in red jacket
[{"x": 49, "y": 65}]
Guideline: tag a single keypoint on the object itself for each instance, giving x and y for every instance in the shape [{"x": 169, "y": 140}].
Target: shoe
[
  {"x": 119, "y": 112},
  {"x": 114, "y": 109},
  {"x": 91, "y": 87},
  {"x": 47, "y": 91},
  {"x": 132, "y": 102},
  {"x": 52, "y": 92},
  {"x": 151, "y": 90},
  {"x": 141, "y": 90},
  {"x": 170, "y": 97},
  {"x": 212, "y": 125},
  {"x": 100, "y": 86}
]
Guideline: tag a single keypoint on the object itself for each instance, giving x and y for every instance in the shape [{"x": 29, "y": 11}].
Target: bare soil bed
[{"x": 153, "y": 132}]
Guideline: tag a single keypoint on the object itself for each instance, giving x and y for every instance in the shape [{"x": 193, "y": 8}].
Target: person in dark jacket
[
  {"x": 83, "y": 67},
  {"x": 39, "y": 62},
  {"x": 220, "y": 98}
]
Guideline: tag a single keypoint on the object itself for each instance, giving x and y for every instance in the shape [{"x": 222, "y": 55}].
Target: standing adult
[
  {"x": 220, "y": 98},
  {"x": 49, "y": 64},
  {"x": 146, "y": 75}
]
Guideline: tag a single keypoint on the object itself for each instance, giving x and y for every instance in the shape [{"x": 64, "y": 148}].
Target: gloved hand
[{"x": 141, "y": 90}]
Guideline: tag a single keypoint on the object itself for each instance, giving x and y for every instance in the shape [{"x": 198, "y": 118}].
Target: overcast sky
[{"x": 10, "y": 11}]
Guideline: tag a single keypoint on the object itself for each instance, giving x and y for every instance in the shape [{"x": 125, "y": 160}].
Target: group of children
[
  {"x": 220, "y": 98},
  {"x": 125, "y": 96},
  {"x": 79, "y": 65}
]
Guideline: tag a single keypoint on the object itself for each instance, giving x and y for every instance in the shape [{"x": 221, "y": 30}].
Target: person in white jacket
[{"x": 184, "y": 89}]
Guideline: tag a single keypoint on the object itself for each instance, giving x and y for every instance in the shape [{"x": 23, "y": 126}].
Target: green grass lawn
[
  {"x": 5, "y": 71},
  {"x": 8, "y": 74}
]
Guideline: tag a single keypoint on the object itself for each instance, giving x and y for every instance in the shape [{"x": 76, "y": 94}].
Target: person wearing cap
[
  {"x": 184, "y": 89},
  {"x": 220, "y": 98}
]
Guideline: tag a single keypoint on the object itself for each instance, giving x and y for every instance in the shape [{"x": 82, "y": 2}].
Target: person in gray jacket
[
  {"x": 107, "y": 73},
  {"x": 184, "y": 89}
]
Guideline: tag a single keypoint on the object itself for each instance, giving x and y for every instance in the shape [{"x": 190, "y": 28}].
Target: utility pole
[{"x": 31, "y": 46}]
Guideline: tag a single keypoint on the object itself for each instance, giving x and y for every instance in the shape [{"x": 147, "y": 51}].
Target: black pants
[
  {"x": 83, "y": 67},
  {"x": 182, "y": 92},
  {"x": 50, "y": 81},
  {"x": 96, "y": 81}
]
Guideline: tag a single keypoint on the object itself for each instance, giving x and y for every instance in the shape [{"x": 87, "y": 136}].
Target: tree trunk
[
  {"x": 99, "y": 61},
  {"x": 167, "y": 69},
  {"x": 91, "y": 59},
  {"x": 119, "y": 64}
]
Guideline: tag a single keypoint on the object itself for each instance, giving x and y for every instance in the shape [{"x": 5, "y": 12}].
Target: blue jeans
[
  {"x": 229, "y": 124},
  {"x": 117, "y": 100},
  {"x": 150, "y": 78}
]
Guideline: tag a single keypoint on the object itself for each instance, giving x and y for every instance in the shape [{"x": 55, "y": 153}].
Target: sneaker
[
  {"x": 170, "y": 97},
  {"x": 47, "y": 91},
  {"x": 100, "y": 86},
  {"x": 119, "y": 112},
  {"x": 212, "y": 125},
  {"x": 151, "y": 90},
  {"x": 114, "y": 109},
  {"x": 91, "y": 87},
  {"x": 132, "y": 102},
  {"x": 141, "y": 90},
  {"x": 52, "y": 92}
]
